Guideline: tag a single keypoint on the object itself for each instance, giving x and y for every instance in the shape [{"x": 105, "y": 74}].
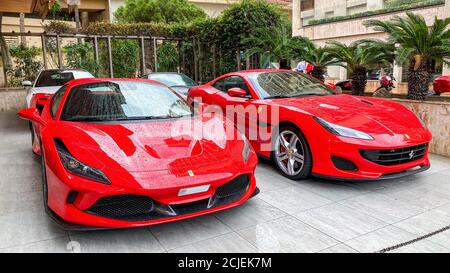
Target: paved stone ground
[{"x": 287, "y": 216}]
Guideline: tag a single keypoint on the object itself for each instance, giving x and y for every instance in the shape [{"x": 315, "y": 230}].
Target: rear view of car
[{"x": 50, "y": 80}]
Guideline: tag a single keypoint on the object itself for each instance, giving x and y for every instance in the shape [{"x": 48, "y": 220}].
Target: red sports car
[
  {"x": 112, "y": 156},
  {"x": 313, "y": 130},
  {"x": 441, "y": 84}
]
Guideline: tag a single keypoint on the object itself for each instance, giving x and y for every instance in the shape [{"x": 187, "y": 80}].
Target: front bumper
[
  {"x": 383, "y": 177},
  {"x": 71, "y": 217},
  {"x": 324, "y": 167}
]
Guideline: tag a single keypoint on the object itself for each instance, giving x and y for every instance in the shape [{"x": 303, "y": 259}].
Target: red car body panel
[
  {"x": 137, "y": 163},
  {"x": 441, "y": 84},
  {"x": 390, "y": 124},
  {"x": 331, "y": 85}
]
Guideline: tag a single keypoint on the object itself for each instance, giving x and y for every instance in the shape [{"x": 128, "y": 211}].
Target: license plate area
[{"x": 193, "y": 190}]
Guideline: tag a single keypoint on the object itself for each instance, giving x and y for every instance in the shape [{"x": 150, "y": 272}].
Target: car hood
[
  {"x": 370, "y": 115},
  {"x": 172, "y": 145}
]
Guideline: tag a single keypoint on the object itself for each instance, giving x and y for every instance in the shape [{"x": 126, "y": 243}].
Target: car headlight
[
  {"x": 246, "y": 149},
  {"x": 342, "y": 131},
  {"x": 76, "y": 167}
]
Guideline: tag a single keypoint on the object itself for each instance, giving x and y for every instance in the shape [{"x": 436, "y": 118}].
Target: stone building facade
[{"x": 352, "y": 29}]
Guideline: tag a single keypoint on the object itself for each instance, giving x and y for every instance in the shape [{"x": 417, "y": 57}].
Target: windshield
[
  {"x": 172, "y": 79},
  {"x": 287, "y": 84},
  {"x": 123, "y": 100},
  {"x": 53, "y": 78}
]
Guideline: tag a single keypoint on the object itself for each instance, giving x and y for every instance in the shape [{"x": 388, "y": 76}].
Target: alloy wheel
[{"x": 289, "y": 153}]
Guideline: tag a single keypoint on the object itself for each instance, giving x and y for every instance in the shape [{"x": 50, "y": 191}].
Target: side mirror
[
  {"x": 236, "y": 92},
  {"x": 26, "y": 84},
  {"x": 42, "y": 101},
  {"x": 31, "y": 114}
]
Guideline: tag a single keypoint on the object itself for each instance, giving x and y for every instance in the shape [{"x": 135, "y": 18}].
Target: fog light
[{"x": 343, "y": 164}]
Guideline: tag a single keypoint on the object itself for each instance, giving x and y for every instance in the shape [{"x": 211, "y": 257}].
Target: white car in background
[
  {"x": 177, "y": 81},
  {"x": 50, "y": 80}
]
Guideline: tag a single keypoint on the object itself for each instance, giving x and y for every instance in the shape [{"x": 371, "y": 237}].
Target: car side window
[
  {"x": 56, "y": 100},
  {"x": 231, "y": 82},
  {"x": 236, "y": 81},
  {"x": 220, "y": 85}
]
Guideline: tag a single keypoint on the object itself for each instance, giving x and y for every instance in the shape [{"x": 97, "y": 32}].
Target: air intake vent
[
  {"x": 395, "y": 156},
  {"x": 123, "y": 207}
]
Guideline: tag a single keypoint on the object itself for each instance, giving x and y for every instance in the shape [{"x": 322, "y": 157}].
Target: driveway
[{"x": 287, "y": 216}]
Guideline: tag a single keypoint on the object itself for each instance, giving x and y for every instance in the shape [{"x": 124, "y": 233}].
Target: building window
[
  {"x": 329, "y": 14},
  {"x": 306, "y": 5}
]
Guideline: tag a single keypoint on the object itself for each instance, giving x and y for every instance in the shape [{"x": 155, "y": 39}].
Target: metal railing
[{"x": 95, "y": 38}]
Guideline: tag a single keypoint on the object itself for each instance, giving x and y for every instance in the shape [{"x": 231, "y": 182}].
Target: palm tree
[
  {"x": 358, "y": 56},
  {"x": 273, "y": 44},
  {"x": 418, "y": 45},
  {"x": 318, "y": 57}
]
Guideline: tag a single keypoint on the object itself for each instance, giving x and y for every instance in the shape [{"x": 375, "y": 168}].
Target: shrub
[
  {"x": 125, "y": 57},
  {"x": 240, "y": 20},
  {"x": 166, "y": 11},
  {"x": 167, "y": 55},
  {"x": 58, "y": 27},
  {"x": 138, "y": 29},
  {"x": 220, "y": 39},
  {"x": 25, "y": 64},
  {"x": 81, "y": 56}
]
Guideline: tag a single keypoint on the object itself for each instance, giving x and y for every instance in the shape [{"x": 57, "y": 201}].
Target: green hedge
[
  {"x": 26, "y": 64},
  {"x": 81, "y": 56},
  {"x": 217, "y": 40},
  {"x": 102, "y": 28},
  {"x": 394, "y": 6}
]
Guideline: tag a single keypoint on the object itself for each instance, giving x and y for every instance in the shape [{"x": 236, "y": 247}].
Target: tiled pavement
[{"x": 287, "y": 216}]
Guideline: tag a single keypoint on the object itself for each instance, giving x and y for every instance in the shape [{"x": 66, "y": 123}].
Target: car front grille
[
  {"x": 124, "y": 207},
  {"x": 142, "y": 208},
  {"x": 236, "y": 185},
  {"x": 395, "y": 156}
]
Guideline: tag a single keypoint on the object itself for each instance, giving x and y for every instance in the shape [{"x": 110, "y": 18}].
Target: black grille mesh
[
  {"x": 395, "y": 156},
  {"x": 142, "y": 208},
  {"x": 237, "y": 185},
  {"x": 124, "y": 207}
]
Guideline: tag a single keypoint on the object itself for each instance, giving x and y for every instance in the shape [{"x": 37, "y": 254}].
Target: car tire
[
  {"x": 31, "y": 132},
  {"x": 33, "y": 138},
  {"x": 44, "y": 179},
  {"x": 293, "y": 158}
]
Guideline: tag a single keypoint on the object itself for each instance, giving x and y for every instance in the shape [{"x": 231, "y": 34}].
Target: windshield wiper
[
  {"x": 149, "y": 117},
  {"x": 85, "y": 119},
  {"x": 276, "y": 97},
  {"x": 308, "y": 94},
  {"x": 124, "y": 119}
]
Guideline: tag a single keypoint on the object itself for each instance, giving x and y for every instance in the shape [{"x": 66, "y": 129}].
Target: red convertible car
[
  {"x": 315, "y": 131},
  {"x": 111, "y": 157}
]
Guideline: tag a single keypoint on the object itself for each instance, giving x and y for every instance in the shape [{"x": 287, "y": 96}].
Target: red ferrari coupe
[
  {"x": 313, "y": 130},
  {"x": 111, "y": 157}
]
